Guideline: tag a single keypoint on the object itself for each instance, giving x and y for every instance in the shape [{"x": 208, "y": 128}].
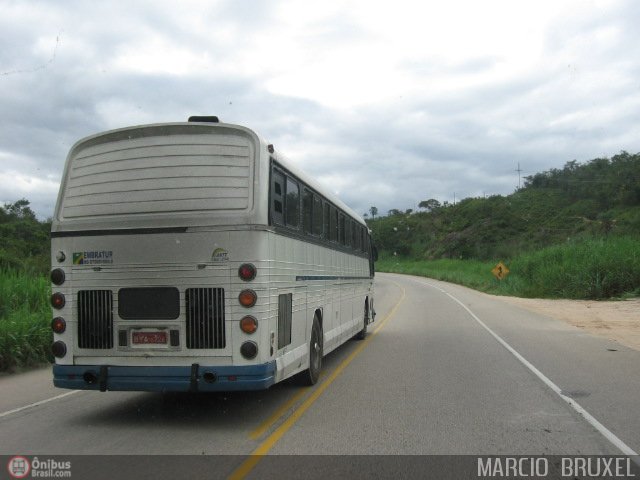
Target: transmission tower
[{"x": 519, "y": 170}]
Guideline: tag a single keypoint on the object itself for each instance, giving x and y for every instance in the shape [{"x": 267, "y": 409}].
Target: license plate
[{"x": 149, "y": 338}]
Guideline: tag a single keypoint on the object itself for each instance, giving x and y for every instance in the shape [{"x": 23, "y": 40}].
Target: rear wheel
[
  {"x": 363, "y": 333},
  {"x": 311, "y": 375}
]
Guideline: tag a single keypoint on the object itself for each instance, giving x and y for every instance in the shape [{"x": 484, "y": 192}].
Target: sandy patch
[{"x": 618, "y": 321}]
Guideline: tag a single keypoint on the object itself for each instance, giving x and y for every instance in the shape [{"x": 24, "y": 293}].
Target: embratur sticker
[{"x": 95, "y": 257}]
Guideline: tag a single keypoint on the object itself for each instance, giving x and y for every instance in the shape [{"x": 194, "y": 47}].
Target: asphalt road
[{"x": 444, "y": 370}]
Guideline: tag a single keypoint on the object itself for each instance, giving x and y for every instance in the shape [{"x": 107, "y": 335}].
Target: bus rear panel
[{"x": 149, "y": 288}]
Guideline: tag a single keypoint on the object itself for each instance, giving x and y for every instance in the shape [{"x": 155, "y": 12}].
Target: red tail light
[
  {"x": 58, "y": 325},
  {"x": 247, "y": 272},
  {"x": 57, "y": 300}
]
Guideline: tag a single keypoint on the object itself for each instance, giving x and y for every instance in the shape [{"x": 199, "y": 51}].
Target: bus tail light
[
  {"x": 247, "y": 272},
  {"x": 247, "y": 298},
  {"x": 57, "y": 300},
  {"x": 57, "y": 276},
  {"x": 248, "y": 324},
  {"x": 249, "y": 350},
  {"x": 58, "y": 325},
  {"x": 59, "y": 349}
]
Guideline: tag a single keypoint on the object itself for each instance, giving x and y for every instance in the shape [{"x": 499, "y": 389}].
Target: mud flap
[
  {"x": 193, "y": 381},
  {"x": 102, "y": 377}
]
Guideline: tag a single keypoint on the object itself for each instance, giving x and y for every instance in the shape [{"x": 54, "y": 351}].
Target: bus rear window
[{"x": 152, "y": 171}]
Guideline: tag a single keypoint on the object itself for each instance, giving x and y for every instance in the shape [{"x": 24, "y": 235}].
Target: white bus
[{"x": 193, "y": 257}]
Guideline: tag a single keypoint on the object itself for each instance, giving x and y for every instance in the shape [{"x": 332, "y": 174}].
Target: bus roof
[{"x": 150, "y": 130}]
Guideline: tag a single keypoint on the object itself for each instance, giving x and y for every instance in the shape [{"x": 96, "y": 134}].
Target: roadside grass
[
  {"x": 472, "y": 273},
  {"x": 25, "y": 315},
  {"x": 594, "y": 268}
]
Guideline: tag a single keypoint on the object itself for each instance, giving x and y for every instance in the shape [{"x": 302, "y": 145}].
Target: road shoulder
[{"x": 615, "y": 320}]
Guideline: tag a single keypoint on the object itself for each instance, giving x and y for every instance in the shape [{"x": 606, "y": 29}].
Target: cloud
[{"x": 385, "y": 104}]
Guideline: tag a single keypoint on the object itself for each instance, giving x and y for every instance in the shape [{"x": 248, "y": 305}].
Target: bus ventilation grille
[
  {"x": 205, "y": 318},
  {"x": 95, "y": 319}
]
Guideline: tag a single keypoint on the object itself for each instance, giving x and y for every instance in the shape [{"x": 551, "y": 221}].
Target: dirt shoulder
[{"x": 616, "y": 320}]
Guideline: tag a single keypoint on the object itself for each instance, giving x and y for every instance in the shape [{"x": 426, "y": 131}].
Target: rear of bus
[{"x": 156, "y": 240}]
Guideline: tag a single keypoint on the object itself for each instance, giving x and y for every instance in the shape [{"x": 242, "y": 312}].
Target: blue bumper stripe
[{"x": 165, "y": 379}]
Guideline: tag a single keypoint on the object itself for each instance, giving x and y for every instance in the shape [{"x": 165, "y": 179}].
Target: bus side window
[
  {"x": 307, "y": 210},
  {"x": 355, "y": 236},
  {"x": 373, "y": 255},
  {"x": 326, "y": 220},
  {"x": 342, "y": 230},
  {"x": 292, "y": 204},
  {"x": 277, "y": 198},
  {"x": 347, "y": 234},
  {"x": 333, "y": 225},
  {"x": 317, "y": 215}
]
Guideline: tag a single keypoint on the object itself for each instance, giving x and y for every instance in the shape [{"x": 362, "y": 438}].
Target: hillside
[{"x": 599, "y": 198}]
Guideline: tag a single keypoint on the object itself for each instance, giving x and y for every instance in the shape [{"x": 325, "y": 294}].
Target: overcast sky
[{"x": 386, "y": 103}]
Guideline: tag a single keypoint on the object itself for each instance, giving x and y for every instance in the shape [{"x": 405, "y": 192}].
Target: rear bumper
[{"x": 165, "y": 379}]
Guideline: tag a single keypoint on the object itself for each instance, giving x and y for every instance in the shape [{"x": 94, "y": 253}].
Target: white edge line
[
  {"x": 36, "y": 404},
  {"x": 608, "y": 434}
]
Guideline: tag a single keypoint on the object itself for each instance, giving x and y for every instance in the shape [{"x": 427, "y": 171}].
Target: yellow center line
[
  {"x": 259, "y": 431},
  {"x": 249, "y": 464}
]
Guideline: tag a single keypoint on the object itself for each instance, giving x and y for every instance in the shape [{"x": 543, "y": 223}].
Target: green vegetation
[
  {"x": 570, "y": 232},
  {"x": 595, "y": 268},
  {"x": 24, "y": 241},
  {"x": 471, "y": 273},
  {"x": 582, "y": 269},
  {"x": 25, "y": 314}
]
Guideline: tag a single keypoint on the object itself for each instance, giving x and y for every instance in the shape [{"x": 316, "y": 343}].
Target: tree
[
  {"x": 24, "y": 241},
  {"x": 394, "y": 211},
  {"x": 19, "y": 210},
  {"x": 430, "y": 205},
  {"x": 374, "y": 212}
]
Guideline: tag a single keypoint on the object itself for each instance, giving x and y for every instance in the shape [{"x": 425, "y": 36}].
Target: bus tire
[
  {"x": 363, "y": 333},
  {"x": 311, "y": 375}
]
